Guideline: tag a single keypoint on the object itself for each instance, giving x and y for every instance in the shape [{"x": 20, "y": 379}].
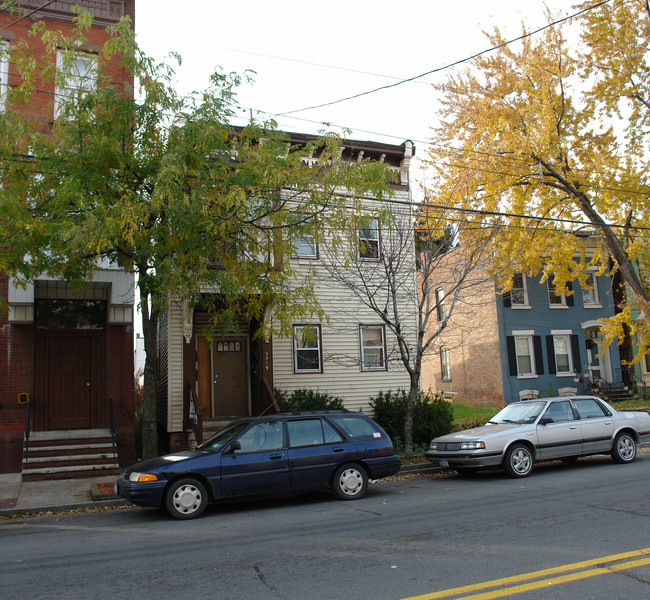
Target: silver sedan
[{"x": 543, "y": 429}]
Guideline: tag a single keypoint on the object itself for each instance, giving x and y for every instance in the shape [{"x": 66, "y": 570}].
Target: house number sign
[{"x": 229, "y": 347}]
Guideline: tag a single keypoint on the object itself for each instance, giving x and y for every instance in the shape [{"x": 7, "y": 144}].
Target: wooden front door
[
  {"x": 230, "y": 376},
  {"x": 69, "y": 381}
]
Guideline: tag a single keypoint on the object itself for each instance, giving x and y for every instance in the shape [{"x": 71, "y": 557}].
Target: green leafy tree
[
  {"x": 165, "y": 187},
  {"x": 542, "y": 136}
]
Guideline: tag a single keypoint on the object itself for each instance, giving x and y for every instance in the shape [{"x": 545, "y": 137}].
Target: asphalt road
[{"x": 583, "y": 531}]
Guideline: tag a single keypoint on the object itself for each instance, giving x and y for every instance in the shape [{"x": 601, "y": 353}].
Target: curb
[{"x": 35, "y": 510}]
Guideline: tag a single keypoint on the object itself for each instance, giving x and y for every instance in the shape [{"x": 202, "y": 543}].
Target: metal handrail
[
  {"x": 112, "y": 428},
  {"x": 28, "y": 413}
]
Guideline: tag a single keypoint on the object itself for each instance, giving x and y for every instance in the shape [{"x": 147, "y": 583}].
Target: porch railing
[{"x": 112, "y": 428}]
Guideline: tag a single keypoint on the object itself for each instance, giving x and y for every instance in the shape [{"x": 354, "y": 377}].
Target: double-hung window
[
  {"x": 562, "y": 346},
  {"x": 76, "y": 76},
  {"x": 369, "y": 240},
  {"x": 440, "y": 304},
  {"x": 519, "y": 291},
  {"x": 4, "y": 74},
  {"x": 445, "y": 371},
  {"x": 563, "y": 350},
  {"x": 304, "y": 246},
  {"x": 307, "y": 354},
  {"x": 524, "y": 354},
  {"x": 373, "y": 347},
  {"x": 554, "y": 300},
  {"x": 590, "y": 296}
]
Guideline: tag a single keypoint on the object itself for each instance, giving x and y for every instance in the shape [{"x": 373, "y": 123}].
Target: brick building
[{"x": 66, "y": 354}]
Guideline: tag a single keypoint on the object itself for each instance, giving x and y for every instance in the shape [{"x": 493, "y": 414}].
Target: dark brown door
[
  {"x": 230, "y": 376},
  {"x": 69, "y": 381}
]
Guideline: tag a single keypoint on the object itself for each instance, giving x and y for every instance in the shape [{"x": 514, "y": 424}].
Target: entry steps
[{"x": 72, "y": 454}]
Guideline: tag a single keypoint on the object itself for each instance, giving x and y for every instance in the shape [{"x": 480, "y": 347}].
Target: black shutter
[
  {"x": 569, "y": 299},
  {"x": 550, "y": 352},
  {"x": 539, "y": 359},
  {"x": 512, "y": 356},
  {"x": 575, "y": 350},
  {"x": 507, "y": 303}
]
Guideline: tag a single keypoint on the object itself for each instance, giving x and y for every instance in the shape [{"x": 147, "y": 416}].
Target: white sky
[{"x": 352, "y": 39}]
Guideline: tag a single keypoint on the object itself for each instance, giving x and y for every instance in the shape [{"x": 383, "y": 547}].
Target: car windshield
[
  {"x": 518, "y": 413},
  {"x": 221, "y": 438}
]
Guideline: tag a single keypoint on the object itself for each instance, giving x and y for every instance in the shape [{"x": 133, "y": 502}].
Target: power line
[
  {"x": 29, "y": 14},
  {"x": 448, "y": 66}
]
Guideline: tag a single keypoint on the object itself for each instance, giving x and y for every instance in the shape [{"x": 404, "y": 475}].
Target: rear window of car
[
  {"x": 311, "y": 432},
  {"x": 356, "y": 427}
]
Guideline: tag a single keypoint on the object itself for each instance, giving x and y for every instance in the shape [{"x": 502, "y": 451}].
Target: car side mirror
[
  {"x": 234, "y": 446},
  {"x": 545, "y": 420}
]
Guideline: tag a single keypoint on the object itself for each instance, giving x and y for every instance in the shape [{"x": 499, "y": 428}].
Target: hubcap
[
  {"x": 626, "y": 448},
  {"x": 521, "y": 461},
  {"x": 187, "y": 499},
  {"x": 350, "y": 482}
]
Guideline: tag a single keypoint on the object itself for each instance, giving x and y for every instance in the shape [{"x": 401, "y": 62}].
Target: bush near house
[
  {"x": 306, "y": 400},
  {"x": 432, "y": 416}
]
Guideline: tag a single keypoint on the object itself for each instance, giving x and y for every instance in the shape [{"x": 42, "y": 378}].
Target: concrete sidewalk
[{"x": 24, "y": 497}]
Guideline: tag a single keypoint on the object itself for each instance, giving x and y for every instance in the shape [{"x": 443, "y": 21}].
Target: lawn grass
[{"x": 467, "y": 415}]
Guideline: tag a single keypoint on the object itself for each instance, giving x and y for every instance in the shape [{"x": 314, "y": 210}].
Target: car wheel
[
  {"x": 519, "y": 460},
  {"x": 624, "y": 448},
  {"x": 350, "y": 482},
  {"x": 186, "y": 499}
]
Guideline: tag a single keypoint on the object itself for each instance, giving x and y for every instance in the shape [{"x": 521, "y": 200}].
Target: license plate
[{"x": 444, "y": 463}]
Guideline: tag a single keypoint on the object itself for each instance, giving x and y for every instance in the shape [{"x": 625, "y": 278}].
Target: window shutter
[
  {"x": 512, "y": 357},
  {"x": 550, "y": 351},
  {"x": 575, "y": 350},
  {"x": 506, "y": 300},
  {"x": 569, "y": 299},
  {"x": 539, "y": 359}
]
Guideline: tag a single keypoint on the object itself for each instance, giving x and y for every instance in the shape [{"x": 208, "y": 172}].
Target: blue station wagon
[{"x": 279, "y": 454}]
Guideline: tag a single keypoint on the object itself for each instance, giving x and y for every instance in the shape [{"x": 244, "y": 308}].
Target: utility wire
[
  {"x": 29, "y": 14},
  {"x": 448, "y": 66}
]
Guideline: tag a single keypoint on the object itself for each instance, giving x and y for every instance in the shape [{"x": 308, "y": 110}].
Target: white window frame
[
  {"x": 367, "y": 348},
  {"x": 304, "y": 246},
  {"x": 565, "y": 337},
  {"x": 527, "y": 337},
  {"x": 523, "y": 290},
  {"x": 368, "y": 238},
  {"x": 70, "y": 85},
  {"x": 4, "y": 74},
  {"x": 592, "y": 293},
  {"x": 311, "y": 343},
  {"x": 561, "y": 300},
  {"x": 445, "y": 364}
]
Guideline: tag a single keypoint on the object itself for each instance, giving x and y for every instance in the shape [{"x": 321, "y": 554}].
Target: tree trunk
[
  {"x": 149, "y": 417},
  {"x": 408, "y": 417}
]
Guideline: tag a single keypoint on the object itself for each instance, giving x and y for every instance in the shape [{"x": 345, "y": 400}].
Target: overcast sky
[{"x": 306, "y": 54}]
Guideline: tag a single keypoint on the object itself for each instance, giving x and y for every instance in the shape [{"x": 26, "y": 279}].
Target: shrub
[
  {"x": 431, "y": 417},
  {"x": 307, "y": 400}
]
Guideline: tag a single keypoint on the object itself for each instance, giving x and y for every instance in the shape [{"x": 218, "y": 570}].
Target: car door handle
[
  {"x": 275, "y": 456},
  {"x": 608, "y": 422},
  {"x": 337, "y": 449},
  {"x": 573, "y": 427}
]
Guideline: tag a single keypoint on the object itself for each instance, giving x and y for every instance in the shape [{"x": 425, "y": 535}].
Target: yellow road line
[{"x": 518, "y": 579}]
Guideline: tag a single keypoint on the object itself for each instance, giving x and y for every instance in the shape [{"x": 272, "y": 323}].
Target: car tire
[
  {"x": 624, "y": 448},
  {"x": 519, "y": 460},
  {"x": 186, "y": 499},
  {"x": 350, "y": 482}
]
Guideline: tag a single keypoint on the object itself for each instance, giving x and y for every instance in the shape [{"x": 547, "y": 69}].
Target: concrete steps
[{"x": 73, "y": 454}]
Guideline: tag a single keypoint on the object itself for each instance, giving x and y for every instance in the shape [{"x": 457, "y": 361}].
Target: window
[
  {"x": 4, "y": 74},
  {"x": 554, "y": 300},
  {"x": 559, "y": 412},
  {"x": 589, "y": 409},
  {"x": 304, "y": 246},
  {"x": 373, "y": 355},
  {"x": 264, "y": 436},
  {"x": 369, "y": 240},
  {"x": 307, "y": 349},
  {"x": 563, "y": 361},
  {"x": 440, "y": 304},
  {"x": 590, "y": 296},
  {"x": 356, "y": 427},
  {"x": 444, "y": 364},
  {"x": 76, "y": 75},
  {"x": 519, "y": 292},
  {"x": 311, "y": 432},
  {"x": 524, "y": 354}
]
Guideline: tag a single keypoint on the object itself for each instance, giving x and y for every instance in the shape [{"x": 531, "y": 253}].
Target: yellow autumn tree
[{"x": 547, "y": 139}]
